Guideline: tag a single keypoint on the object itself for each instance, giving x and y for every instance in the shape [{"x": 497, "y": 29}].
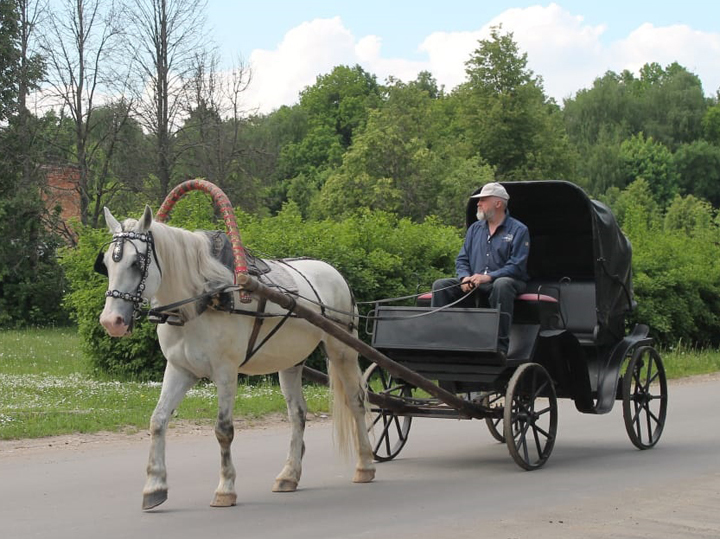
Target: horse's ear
[
  {"x": 146, "y": 219},
  {"x": 111, "y": 222}
]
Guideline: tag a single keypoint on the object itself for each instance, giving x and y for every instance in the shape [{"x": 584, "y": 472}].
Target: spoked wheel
[
  {"x": 495, "y": 424},
  {"x": 645, "y": 397},
  {"x": 388, "y": 431},
  {"x": 530, "y": 419}
]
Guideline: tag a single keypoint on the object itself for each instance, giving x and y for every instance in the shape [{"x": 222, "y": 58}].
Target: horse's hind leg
[
  {"x": 291, "y": 385},
  {"x": 176, "y": 383},
  {"x": 226, "y": 383},
  {"x": 349, "y": 406}
]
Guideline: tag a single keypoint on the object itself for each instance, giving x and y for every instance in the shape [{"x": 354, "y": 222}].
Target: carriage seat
[
  {"x": 574, "y": 306},
  {"x": 563, "y": 304}
]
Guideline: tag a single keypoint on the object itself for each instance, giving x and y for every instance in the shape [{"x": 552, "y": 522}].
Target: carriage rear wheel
[
  {"x": 388, "y": 431},
  {"x": 530, "y": 419},
  {"x": 495, "y": 424},
  {"x": 645, "y": 397}
]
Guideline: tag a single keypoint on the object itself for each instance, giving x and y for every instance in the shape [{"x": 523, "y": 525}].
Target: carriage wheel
[
  {"x": 495, "y": 424},
  {"x": 388, "y": 431},
  {"x": 530, "y": 419},
  {"x": 645, "y": 397}
]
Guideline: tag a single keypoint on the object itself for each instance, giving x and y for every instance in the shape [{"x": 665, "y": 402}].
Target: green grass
[
  {"x": 681, "y": 361},
  {"x": 46, "y": 389}
]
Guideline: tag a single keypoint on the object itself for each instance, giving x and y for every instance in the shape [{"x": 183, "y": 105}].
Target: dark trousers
[{"x": 499, "y": 294}]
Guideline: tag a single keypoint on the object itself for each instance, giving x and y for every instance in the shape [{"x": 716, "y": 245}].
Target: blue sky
[{"x": 568, "y": 42}]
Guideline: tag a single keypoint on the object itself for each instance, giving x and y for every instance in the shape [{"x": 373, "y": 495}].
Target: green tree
[
  {"x": 9, "y": 58},
  {"x": 698, "y": 168},
  {"x": 402, "y": 162},
  {"x": 643, "y": 158},
  {"x": 672, "y": 104},
  {"x": 31, "y": 284},
  {"x": 666, "y": 105},
  {"x": 336, "y": 108},
  {"x": 711, "y": 124},
  {"x": 511, "y": 123},
  {"x": 261, "y": 174}
]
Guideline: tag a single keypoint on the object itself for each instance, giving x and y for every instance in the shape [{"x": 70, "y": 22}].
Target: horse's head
[{"x": 133, "y": 270}]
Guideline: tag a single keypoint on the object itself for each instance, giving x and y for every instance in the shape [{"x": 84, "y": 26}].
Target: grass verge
[{"x": 46, "y": 389}]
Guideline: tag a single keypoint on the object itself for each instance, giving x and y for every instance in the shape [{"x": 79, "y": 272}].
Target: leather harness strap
[{"x": 262, "y": 302}]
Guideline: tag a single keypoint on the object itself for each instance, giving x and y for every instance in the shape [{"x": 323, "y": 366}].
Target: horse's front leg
[
  {"x": 291, "y": 385},
  {"x": 226, "y": 383},
  {"x": 176, "y": 383}
]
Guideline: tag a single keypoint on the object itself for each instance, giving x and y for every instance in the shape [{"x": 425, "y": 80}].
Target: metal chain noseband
[{"x": 137, "y": 298}]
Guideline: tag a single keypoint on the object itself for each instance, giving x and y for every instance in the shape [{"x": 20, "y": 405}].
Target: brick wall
[{"x": 62, "y": 189}]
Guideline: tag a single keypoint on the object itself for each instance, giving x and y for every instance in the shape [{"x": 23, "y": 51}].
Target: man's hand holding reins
[{"x": 473, "y": 281}]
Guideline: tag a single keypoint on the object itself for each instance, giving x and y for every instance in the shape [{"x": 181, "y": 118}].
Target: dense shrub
[
  {"x": 379, "y": 254},
  {"x": 676, "y": 266}
]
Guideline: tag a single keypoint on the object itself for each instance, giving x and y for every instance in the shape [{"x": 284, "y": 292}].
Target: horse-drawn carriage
[{"x": 567, "y": 339}]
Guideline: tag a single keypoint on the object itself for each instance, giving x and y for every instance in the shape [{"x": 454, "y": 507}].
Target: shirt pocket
[{"x": 504, "y": 249}]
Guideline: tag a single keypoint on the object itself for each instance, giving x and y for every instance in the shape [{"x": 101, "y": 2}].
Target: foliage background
[{"x": 371, "y": 176}]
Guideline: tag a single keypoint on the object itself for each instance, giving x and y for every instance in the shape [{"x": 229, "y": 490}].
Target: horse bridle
[{"x": 119, "y": 239}]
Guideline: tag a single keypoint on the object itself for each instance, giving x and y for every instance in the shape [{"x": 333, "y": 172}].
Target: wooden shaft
[
  {"x": 251, "y": 284},
  {"x": 388, "y": 402}
]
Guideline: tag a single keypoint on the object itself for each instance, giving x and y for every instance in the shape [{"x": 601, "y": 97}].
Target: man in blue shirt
[{"x": 492, "y": 261}]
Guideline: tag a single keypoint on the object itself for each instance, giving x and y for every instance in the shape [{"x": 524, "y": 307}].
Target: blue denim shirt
[{"x": 504, "y": 254}]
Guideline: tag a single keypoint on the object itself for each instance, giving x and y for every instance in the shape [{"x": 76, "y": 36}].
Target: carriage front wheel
[
  {"x": 388, "y": 431},
  {"x": 530, "y": 417},
  {"x": 644, "y": 397}
]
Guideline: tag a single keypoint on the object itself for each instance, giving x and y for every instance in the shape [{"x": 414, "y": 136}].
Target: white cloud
[
  {"x": 699, "y": 52},
  {"x": 306, "y": 51},
  {"x": 562, "y": 48}
]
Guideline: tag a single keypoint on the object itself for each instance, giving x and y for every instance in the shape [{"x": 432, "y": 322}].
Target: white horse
[{"x": 149, "y": 260}]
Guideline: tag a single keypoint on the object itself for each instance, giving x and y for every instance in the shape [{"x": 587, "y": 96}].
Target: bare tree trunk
[
  {"x": 167, "y": 35},
  {"x": 210, "y": 140},
  {"x": 30, "y": 14},
  {"x": 79, "y": 48}
]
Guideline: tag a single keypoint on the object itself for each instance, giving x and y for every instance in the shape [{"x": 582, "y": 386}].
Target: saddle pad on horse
[{"x": 272, "y": 273}]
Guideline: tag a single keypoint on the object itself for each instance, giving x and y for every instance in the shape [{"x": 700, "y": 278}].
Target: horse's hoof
[
  {"x": 224, "y": 500},
  {"x": 364, "y": 476},
  {"x": 285, "y": 485},
  {"x": 153, "y": 499}
]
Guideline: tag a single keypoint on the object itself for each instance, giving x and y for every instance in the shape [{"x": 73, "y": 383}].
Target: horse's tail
[{"x": 346, "y": 384}]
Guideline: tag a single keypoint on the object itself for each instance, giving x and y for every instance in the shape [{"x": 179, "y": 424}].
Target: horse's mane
[{"x": 188, "y": 267}]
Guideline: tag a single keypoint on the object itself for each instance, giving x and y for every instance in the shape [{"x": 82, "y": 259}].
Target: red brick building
[{"x": 62, "y": 190}]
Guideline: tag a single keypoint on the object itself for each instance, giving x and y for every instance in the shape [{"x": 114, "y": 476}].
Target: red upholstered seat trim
[
  {"x": 532, "y": 296},
  {"x": 536, "y": 297}
]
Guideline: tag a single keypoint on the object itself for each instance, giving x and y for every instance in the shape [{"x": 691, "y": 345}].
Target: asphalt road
[{"x": 451, "y": 480}]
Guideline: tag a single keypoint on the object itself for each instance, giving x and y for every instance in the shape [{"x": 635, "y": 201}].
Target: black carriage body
[
  {"x": 580, "y": 258},
  {"x": 577, "y": 254}
]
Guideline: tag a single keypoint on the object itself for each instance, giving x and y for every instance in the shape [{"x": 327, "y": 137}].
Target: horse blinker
[{"x": 100, "y": 266}]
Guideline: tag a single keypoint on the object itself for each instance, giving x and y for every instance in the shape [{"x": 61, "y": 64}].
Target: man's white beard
[{"x": 482, "y": 216}]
